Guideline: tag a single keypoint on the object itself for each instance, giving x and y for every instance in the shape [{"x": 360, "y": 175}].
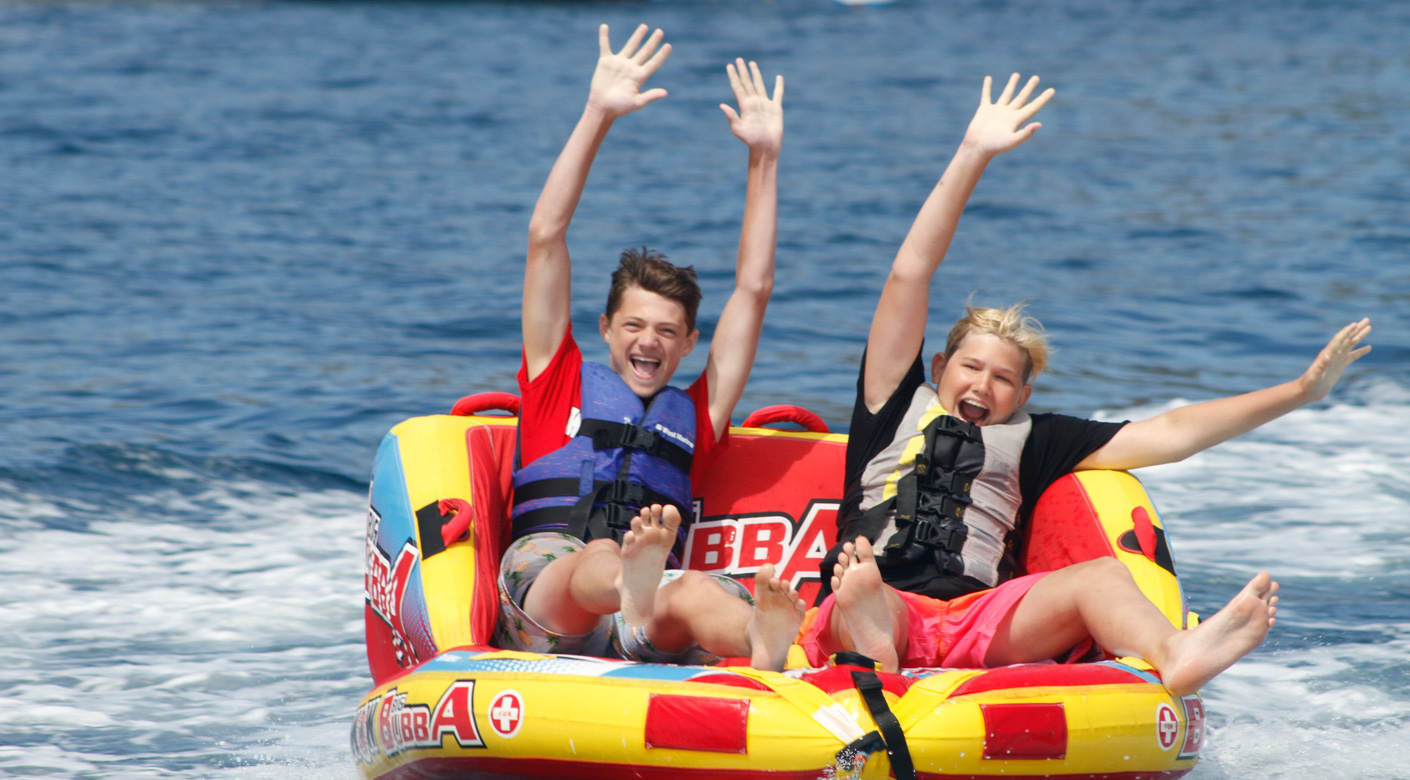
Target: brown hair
[
  {"x": 1011, "y": 325},
  {"x": 649, "y": 270}
]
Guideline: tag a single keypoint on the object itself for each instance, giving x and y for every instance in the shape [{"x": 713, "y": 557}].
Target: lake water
[{"x": 242, "y": 240}]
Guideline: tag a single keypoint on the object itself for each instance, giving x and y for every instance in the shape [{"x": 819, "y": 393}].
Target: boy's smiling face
[
  {"x": 646, "y": 338},
  {"x": 982, "y": 380}
]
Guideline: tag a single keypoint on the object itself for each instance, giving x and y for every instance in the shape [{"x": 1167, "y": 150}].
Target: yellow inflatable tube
[{"x": 446, "y": 704}]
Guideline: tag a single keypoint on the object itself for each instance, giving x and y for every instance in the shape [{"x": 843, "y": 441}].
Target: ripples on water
[{"x": 243, "y": 240}]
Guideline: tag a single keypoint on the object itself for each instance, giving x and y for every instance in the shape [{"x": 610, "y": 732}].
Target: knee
[
  {"x": 687, "y": 591},
  {"x": 598, "y": 547},
  {"x": 1105, "y": 569}
]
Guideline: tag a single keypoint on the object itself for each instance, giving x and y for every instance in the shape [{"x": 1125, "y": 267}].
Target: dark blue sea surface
[{"x": 241, "y": 240}]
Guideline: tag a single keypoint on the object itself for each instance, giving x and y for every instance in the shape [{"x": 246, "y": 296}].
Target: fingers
[
  {"x": 759, "y": 88},
  {"x": 604, "y": 46},
  {"x": 1033, "y": 108},
  {"x": 1019, "y": 101},
  {"x": 747, "y": 82},
  {"x": 634, "y": 41},
  {"x": 645, "y": 52},
  {"x": 1349, "y": 337},
  {"x": 657, "y": 59},
  {"x": 1007, "y": 94},
  {"x": 735, "y": 82},
  {"x": 1027, "y": 89}
]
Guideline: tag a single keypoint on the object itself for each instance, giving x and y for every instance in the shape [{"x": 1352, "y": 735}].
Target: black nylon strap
[
  {"x": 609, "y": 435},
  {"x": 609, "y": 491},
  {"x": 869, "y": 685},
  {"x": 596, "y": 523},
  {"x": 546, "y": 488}
]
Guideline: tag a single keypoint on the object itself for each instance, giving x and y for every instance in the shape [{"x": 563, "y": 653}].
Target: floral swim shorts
[{"x": 610, "y": 638}]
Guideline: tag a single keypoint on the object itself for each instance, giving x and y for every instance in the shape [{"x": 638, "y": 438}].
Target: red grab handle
[
  {"x": 786, "y": 413},
  {"x": 486, "y": 402}
]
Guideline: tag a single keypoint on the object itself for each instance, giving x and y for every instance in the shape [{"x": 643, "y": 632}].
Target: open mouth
[
  {"x": 973, "y": 412},
  {"x": 645, "y": 368}
]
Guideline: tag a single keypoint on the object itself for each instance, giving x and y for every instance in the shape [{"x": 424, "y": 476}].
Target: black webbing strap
[
  {"x": 611, "y": 435},
  {"x": 869, "y": 685},
  {"x": 623, "y": 500}
]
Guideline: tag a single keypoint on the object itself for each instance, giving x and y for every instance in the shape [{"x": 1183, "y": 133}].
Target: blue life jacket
[{"x": 625, "y": 455}]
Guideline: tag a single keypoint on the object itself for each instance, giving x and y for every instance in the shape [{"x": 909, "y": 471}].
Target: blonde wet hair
[{"x": 1012, "y": 325}]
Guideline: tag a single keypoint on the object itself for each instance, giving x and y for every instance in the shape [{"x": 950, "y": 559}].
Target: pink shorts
[{"x": 954, "y": 633}]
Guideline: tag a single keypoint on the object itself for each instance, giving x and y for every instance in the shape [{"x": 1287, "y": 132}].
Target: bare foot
[
  {"x": 778, "y": 613},
  {"x": 861, "y": 600},
  {"x": 1194, "y": 657},
  {"x": 644, "y": 552}
]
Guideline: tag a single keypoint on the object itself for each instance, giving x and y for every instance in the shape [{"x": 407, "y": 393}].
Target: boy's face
[
  {"x": 646, "y": 339},
  {"x": 982, "y": 380}
]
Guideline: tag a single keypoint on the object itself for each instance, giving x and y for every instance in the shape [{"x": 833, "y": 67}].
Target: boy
[
  {"x": 606, "y": 453},
  {"x": 940, "y": 590}
]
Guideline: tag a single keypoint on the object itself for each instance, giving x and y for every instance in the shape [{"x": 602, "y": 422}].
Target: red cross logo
[
  {"x": 1167, "y": 726},
  {"x": 507, "y": 713}
]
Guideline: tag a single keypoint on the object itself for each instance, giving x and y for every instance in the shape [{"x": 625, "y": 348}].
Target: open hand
[
  {"x": 617, "y": 82},
  {"x": 759, "y": 122},
  {"x": 998, "y": 126},
  {"x": 1339, "y": 353}
]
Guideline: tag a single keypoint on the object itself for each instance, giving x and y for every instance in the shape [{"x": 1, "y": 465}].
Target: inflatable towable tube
[{"x": 448, "y": 705}]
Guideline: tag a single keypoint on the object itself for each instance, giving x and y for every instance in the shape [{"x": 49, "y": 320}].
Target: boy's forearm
[
  {"x": 758, "y": 234},
  {"x": 547, "y": 305},
  {"x": 1203, "y": 425},
  {"x": 934, "y": 228},
  {"x": 1179, "y": 433},
  {"x": 564, "y": 187}
]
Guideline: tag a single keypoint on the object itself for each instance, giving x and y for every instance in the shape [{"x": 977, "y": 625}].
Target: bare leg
[
  {"x": 644, "y": 552},
  {"x": 778, "y": 612},
  {"x": 572, "y": 593},
  {"x": 1099, "y": 599},
  {"x": 697, "y": 610},
  {"x": 870, "y": 617}
]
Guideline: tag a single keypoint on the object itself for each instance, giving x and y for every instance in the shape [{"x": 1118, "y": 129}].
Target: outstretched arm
[
  {"x": 615, "y": 91},
  {"x": 898, "y": 327},
  {"x": 1180, "y": 433},
  {"x": 759, "y": 124}
]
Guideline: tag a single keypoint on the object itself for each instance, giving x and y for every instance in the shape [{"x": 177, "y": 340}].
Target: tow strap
[
  {"x": 867, "y": 683},
  {"x": 891, "y": 736}
]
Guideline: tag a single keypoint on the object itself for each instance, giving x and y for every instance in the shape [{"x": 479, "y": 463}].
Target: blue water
[{"x": 241, "y": 240}]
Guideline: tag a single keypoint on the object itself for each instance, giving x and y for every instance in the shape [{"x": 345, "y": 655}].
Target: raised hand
[
  {"x": 759, "y": 122},
  {"x": 1339, "y": 353},
  {"x": 998, "y": 125},
  {"x": 617, "y": 82}
]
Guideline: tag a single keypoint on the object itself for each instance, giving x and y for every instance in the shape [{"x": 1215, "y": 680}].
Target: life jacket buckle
[
  {"x": 932, "y": 534},
  {"x": 617, "y": 516},
  {"x": 636, "y": 437},
  {"x": 624, "y": 493},
  {"x": 927, "y": 533}
]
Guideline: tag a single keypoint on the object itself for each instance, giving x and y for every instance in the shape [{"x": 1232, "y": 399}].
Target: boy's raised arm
[
  {"x": 615, "y": 91},
  {"x": 1180, "y": 433},
  {"x": 898, "y": 327},
  {"x": 759, "y": 124}
]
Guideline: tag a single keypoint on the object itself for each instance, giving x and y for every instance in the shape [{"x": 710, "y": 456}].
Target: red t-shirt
[{"x": 549, "y": 400}]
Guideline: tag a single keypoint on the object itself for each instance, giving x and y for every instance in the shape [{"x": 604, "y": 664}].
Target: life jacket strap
[
  {"x": 608, "y": 435},
  {"x": 617, "y": 502}
]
